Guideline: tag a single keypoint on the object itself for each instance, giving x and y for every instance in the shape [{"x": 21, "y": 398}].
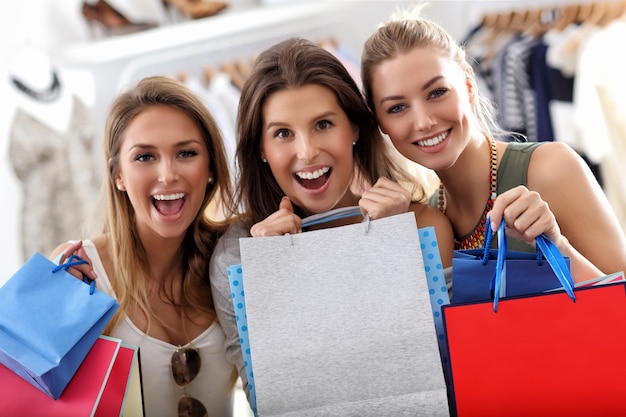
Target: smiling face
[
  {"x": 423, "y": 102},
  {"x": 164, "y": 171},
  {"x": 307, "y": 141}
]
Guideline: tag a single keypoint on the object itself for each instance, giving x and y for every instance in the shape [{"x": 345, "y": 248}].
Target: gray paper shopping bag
[{"x": 340, "y": 322}]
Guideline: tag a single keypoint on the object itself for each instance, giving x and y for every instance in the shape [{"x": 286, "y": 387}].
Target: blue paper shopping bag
[
  {"x": 526, "y": 273},
  {"x": 49, "y": 320}
]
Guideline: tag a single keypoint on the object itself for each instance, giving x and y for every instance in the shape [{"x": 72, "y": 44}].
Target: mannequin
[{"x": 51, "y": 141}]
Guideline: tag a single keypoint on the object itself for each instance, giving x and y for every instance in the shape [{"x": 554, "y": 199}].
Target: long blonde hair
[
  {"x": 406, "y": 30},
  {"x": 129, "y": 259}
]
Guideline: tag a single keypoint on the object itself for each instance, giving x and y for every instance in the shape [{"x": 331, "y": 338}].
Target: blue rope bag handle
[
  {"x": 545, "y": 248},
  {"x": 489, "y": 238},
  {"x": 74, "y": 260}
]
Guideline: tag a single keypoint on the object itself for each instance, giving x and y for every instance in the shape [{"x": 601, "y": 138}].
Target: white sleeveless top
[{"x": 212, "y": 387}]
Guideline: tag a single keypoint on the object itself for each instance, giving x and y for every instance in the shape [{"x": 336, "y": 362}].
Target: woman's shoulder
[
  {"x": 236, "y": 229},
  {"x": 558, "y": 151},
  {"x": 550, "y": 151},
  {"x": 226, "y": 251},
  {"x": 555, "y": 162},
  {"x": 427, "y": 215}
]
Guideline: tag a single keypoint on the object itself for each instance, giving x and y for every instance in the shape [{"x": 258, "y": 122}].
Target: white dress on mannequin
[{"x": 51, "y": 140}]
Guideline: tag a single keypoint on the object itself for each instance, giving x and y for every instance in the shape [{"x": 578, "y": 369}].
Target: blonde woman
[
  {"x": 425, "y": 97},
  {"x": 165, "y": 164}
]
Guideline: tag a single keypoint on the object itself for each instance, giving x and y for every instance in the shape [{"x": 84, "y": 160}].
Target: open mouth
[
  {"x": 168, "y": 204},
  {"x": 434, "y": 141},
  {"x": 313, "y": 180}
]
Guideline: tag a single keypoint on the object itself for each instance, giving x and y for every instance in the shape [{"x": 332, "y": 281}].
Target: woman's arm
[
  {"x": 227, "y": 253},
  {"x": 582, "y": 211},
  {"x": 564, "y": 201}
]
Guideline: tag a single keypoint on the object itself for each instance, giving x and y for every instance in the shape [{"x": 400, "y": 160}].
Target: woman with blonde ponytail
[{"x": 423, "y": 92}]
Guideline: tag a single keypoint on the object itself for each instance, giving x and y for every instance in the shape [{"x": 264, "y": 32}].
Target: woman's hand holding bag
[
  {"x": 545, "y": 247},
  {"x": 489, "y": 274}
]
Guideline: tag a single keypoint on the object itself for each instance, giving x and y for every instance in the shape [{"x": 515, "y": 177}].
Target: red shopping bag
[
  {"x": 541, "y": 355},
  {"x": 106, "y": 384}
]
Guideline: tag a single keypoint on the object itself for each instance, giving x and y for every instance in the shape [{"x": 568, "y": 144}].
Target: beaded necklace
[{"x": 476, "y": 239}]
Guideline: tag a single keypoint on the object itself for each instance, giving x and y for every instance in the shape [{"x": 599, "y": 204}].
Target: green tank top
[{"x": 512, "y": 171}]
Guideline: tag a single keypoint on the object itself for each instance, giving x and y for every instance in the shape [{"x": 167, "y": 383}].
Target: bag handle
[
  {"x": 544, "y": 246},
  {"x": 71, "y": 261},
  {"x": 335, "y": 214}
]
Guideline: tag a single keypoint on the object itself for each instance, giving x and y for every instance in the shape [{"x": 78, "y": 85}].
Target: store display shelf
[{"x": 220, "y": 30}]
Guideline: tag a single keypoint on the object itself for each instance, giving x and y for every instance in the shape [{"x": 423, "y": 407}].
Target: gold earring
[{"x": 210, "y": 181}]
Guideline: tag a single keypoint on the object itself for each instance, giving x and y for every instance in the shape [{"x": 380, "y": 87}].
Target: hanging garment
[{"x": 58, "y": 177}]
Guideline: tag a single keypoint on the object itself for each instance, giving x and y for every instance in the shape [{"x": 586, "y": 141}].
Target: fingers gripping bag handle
[
  {"x": 544, "y": 246},
  {"x": 74, "y": 260}
]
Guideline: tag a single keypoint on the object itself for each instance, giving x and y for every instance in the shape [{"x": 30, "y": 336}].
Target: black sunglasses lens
[
  {"x": 185, "y": 366},
  {"x": 190, "y": 407}
]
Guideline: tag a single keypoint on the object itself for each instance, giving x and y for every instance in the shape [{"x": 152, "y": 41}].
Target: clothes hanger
[
  {"x": 567, "y": 16},
  {"x": 617, "y": 11},
  {"x": 540, "y": 20},
  {"x": 499, "y": 25},
  {"x": 518, "y": 21},
  {"x": 489, "y": 20},
  {"x": 589, "y": 15},
  {"x": 235, "y": 76},
  {"x": 505, "y": 21},
  {"x": 530, "y": 19},
  {"x": 208, "y": 73},
  {"x": 182, "y": 76},
  {"x": 622, "y": 7},
  {"x": 243, "y": 67}
]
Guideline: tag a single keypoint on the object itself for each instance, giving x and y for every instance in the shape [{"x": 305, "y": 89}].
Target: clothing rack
[{"x": 538, "y": 20}]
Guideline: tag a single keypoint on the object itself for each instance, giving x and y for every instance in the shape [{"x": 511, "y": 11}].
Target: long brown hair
[{"x": 295, "y": 63}]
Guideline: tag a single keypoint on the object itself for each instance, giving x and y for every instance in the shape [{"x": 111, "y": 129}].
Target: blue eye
[
  {"x": 438, "y": 92},
  {"x": 396, "y": 108},
  {"x": 144, "y": 157},
  {"x": 188, "y": 153}
]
